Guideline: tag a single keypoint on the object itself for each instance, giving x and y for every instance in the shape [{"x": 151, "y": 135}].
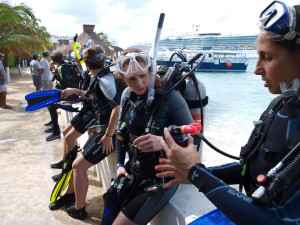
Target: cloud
[
  {"x": 135, "y": 21},
  {"x": 83, "y": 11},
  {"x": 132, "y": 4}
]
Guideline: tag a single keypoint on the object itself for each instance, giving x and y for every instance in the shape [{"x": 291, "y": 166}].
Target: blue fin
[{"x": 40, "y": 99}]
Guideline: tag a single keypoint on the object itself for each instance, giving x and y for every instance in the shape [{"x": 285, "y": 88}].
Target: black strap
[
  {"x": 196, "y": 103},
  {"x": 271, "y": 115},
  {"x": 275, "y": 106}
]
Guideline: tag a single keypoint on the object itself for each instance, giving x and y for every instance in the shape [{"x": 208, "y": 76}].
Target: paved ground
[{"x": 25, "y": 183}]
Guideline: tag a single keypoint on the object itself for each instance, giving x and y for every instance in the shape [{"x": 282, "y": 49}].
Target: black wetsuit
[
  {"x": 63, "y": 73},
  {"x": 241, "y": 209},
  {"x": 85, "y": 118},
  {"x": 140, "y": 207},
  {"x": 105, "y": 99}
]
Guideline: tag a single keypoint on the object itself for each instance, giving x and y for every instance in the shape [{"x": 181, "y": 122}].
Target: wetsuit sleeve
[
  {"x": 108, "y": 87},
  {"x": 179, "y": 112},
  {"x": 230, "y": 173},
  {"x": 237, "y": 206}
]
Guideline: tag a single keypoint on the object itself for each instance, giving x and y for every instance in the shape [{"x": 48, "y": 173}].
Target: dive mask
[
  {"x": 133, "y": 63},
  {"x": 280, "y": 21}
]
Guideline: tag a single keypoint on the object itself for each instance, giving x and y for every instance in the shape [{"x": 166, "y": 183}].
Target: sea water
[{"x": 236, "y": 99}]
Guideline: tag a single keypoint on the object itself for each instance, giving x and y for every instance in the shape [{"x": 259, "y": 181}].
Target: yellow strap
[{"x": 59, "y": 72}]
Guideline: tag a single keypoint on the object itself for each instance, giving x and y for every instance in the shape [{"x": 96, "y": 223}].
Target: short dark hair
[
  {"x": 89, "y": 55},
  {"x": 58, "y": 57}
]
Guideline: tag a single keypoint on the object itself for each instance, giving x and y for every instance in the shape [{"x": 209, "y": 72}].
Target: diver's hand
[
  {"x": 122, "y": 171},
  {"x": 107, "y": 144},
  {"x": 168, "y": 170},
  {"x": 69, "y": 91},
  {"x": 182, "y": 158},
  {"x": 148, "y": 143}
]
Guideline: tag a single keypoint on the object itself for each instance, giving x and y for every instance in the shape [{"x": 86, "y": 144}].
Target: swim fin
[
  {"x": 66, "y": 174},
  {"x": 40, "y": 99}
]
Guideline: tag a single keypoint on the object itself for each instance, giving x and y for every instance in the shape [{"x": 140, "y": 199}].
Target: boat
[
  {"x": 196, "y": 41},
  {"x": 215, "y": 61}
]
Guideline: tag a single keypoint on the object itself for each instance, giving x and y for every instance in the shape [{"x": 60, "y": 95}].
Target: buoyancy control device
[
  {"x": 282, "y": 181},
  {"x": 182, "y": 77}
]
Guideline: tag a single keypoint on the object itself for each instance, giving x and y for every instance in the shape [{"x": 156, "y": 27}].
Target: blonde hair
[{"x": 158, "y": 82}]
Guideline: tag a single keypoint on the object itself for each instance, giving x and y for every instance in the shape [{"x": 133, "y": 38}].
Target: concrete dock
[{"x": 25, "y": 156}]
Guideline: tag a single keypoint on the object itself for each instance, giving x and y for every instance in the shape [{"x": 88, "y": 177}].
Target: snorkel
[
  {"x": 80, "y": 59},
  {"x": 153, "y": 61},
  {"x": 88, "y": 44}
]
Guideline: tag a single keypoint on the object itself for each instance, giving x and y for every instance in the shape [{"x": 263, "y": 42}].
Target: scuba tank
[{"x": 191, "y": 96}]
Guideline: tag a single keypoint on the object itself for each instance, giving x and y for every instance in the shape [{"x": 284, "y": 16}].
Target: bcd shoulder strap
[
  {"x": 258, "y": 135},
  {"x": 260, "y": 130}
]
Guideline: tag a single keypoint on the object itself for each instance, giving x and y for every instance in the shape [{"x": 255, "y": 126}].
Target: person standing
[
  {"x": 3, "y": 89},
  {"x": 46, "y": 76},
  {"x": 36, "y": 72}
]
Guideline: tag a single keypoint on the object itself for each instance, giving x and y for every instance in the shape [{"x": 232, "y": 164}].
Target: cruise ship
[
  {"x": 212, "y": 42},
  {"x": 196, "y": 41}
]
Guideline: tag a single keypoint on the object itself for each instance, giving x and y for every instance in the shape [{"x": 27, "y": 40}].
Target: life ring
[{"x": 228, "y": 64}]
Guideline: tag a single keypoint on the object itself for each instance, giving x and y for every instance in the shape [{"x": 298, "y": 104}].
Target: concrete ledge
[{"x": 186, "y": 205}]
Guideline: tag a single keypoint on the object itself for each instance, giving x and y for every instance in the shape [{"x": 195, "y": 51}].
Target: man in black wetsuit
[
  {"x": 275, "y": 200},
  {"x": 65, "y": 75}
]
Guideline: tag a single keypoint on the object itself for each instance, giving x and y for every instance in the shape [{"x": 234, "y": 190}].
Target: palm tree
[
  {"x": 20, "y": 33},
  {"x": 104, "y": 38}
]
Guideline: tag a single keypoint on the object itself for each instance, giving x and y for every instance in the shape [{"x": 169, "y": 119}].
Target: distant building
[
  {"x": 64, "y": 44},
  {"x": 56, "y": 38}
]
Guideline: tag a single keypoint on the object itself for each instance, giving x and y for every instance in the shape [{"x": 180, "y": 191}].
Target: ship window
[{"x": 217, "y": 61}]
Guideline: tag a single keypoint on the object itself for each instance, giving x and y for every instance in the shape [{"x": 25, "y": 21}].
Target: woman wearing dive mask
[
  {"x": 273, "y": 194},
  {"x": 106, "y": 106},
  {"x": 146, "y": 197}
]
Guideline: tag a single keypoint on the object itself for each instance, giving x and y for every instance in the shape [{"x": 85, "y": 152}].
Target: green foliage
[
  {"x": 12, "y": 61},
  {"x": 104, "y": 38},
  {"x": 20, "y": 32}
]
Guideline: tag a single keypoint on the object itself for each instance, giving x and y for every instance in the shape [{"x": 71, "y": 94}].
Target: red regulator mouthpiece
[
  {"x": 192, "y": 128},
  {"x": 197, "y": 125}
]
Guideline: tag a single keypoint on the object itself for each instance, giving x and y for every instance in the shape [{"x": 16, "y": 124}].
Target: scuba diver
[
  {"x": 106, "y": 103},
  {"x": 81, "y": 121},
  {"x": 269, "y": 167},
  {"x": 146, "y": 197},
  {"x": 66, "y": 74}
]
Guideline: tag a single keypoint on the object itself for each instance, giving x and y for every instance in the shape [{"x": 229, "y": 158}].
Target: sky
[{"x": 135, "y": 21}]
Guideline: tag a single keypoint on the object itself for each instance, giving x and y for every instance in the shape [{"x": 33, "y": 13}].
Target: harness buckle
[{"x": 97, "y": 129}]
